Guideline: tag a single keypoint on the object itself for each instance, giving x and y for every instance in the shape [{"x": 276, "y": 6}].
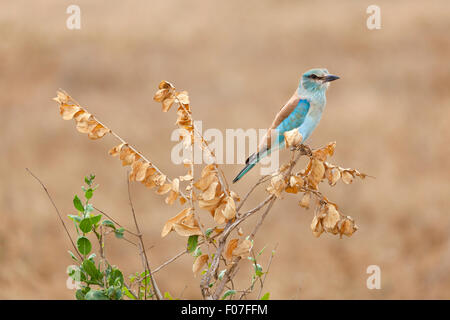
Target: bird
[{"x": 303, "y": 111}]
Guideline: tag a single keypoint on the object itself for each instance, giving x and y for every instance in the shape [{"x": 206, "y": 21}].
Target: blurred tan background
[{"x": 240, "y": 61}]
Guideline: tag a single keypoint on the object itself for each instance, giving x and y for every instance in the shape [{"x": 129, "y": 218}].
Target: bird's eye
[{"x": 313, "y": 76}]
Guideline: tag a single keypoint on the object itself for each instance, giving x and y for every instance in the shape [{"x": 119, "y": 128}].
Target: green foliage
[
  {"x": 95, "y": 282},
  {"x": 84, "y": 245},
  {"x": 168, "y": 296},
  {"x": 229, "y": 293},
  {"x": 192, "y": 243},
  {"x": 77, "y": 204},
  {"x": 266, "y": 296},
  {"x": 119, "y": 233}
]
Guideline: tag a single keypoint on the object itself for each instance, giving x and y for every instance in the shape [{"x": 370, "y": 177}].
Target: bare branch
[
  {"x": 143, "y": 253},
  {"x": 57, "y": 211}
]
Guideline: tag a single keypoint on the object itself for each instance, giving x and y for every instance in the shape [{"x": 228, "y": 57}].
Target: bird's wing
[{"x": 290, "y": 116}]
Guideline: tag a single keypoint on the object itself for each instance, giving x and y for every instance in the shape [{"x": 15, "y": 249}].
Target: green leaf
[
  {"x": 92, "y": 256},
  {"x": 96, "y": 219},
  {"x": 208, "y": 232},
  {"x": 76, "y": 274},
  {"x": 222, "y": 273},
  {"x": 108, "y": 223},
  {"x": 197, "y": 252},
  {"x": 262, "y": 250},
  {"x": 89, "y": 208},
  {"x": 127, "y": 292},
  {"x": 88, "y": 194},
  {"x": 119, "y": 233},
  {"x": 86, "y": 225},
  {"x": 228, "y": 293},
  {"x": 79, "y": 295},
  {"x": 192, "y": 243},
  {"x": 168, "y": 296},
  {"x": 84, "y": 245},
  {"x": 91, "y": 269},
  {"x": 74, "y": 218},
  {"x": 258, "y": 269},
  {"x": 78, "y": 205},
  {"x": 72, "y": 255},
  {"x": 96, "y": 295},
  {"x": 266, "y": 296},
  {"x": 115, "y": 278}
]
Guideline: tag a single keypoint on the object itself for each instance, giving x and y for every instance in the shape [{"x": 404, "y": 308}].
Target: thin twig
[
  {"x": 169, "y": 261},
  {"x": 268, "y": 267},
  {"x": 103, "y": 212},
  {"x": 57, "y": 211},
  {"x": 143, "y": 252}
]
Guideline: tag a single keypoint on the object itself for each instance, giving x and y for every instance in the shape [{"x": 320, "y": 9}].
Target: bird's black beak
[{"x": 329, "y": 78}]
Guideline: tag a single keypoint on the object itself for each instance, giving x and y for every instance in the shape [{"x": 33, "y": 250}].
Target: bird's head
[{"x": 316, "y": 79}]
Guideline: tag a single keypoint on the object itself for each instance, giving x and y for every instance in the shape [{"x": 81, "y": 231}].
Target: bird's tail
[{"x": 249, "y": 164}]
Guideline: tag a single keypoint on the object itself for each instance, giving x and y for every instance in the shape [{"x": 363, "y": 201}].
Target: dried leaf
[
  {"x": 173, "y": 195},
  {"x": 243, "y": 249},
  {"x": 128, "y": 156},
  {"x": 305, "y": 200},
  {"x": 61, "y": 97},
  {"x": 187, "y": 231},
  {"x": 348, "y": 227},
  {"x": 138, "y": 170},
  {"x": 183, "y": 97},
  {"x": 199, "y": 263},
  {"x": 323, "y": 153},
  {"x": 209, "y": 204},
  {"x": 85, "y": 122},
  {"x": 296, "y": 181},
  {"x": 205, "y": 181},
  {"x": 116, "y": 150},
  {"x": 210, "y": 193},
  {"x": 161, "y": 94},
  {"x": 167, "y": 103},
  {"x": 235, "y": 196},
  {"x": 219, "y": 218},
  {"x": 292, "y": 138},
  {"x": 68, "y": 111},
  {"x": 333, "y": 175},
  {"x": 165, "y": 188},
  {"x": 232, "y": 244},
  {"x": 97, "y": 132},
  {"x": 165, "y": 85},
  {"x": 347, "y": 177},
  {"x": 187, "y": 177},
  {"x": 277, "y": 185},
  {"x": 331, "y": 219},
  {"x": 177, "y": 219},
  {"x": 141, "y": 174},
  {"x": 316, "y": 226},
  {"x": 316, "y": 174},
  {"x": 230, "y": 209},
  {"x": 159, "y": 179}
]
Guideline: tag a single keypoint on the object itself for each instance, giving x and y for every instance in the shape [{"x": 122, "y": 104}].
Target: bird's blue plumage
[{"x": 296, "y": 118}]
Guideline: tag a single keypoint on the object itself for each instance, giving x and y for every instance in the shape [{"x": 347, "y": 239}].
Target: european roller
[{"x": 303, "y": 111}]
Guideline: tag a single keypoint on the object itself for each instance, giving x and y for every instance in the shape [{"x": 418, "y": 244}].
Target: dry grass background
[{"x": 240, "y": 61}]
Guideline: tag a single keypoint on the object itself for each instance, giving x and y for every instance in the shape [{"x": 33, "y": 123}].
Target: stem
[
  {"x": 143, "y": 252},
  {"x": 57, "y": 211}
]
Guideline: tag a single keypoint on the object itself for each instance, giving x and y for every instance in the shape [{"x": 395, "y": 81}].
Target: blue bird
[{"x": 303, "y": 111}]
